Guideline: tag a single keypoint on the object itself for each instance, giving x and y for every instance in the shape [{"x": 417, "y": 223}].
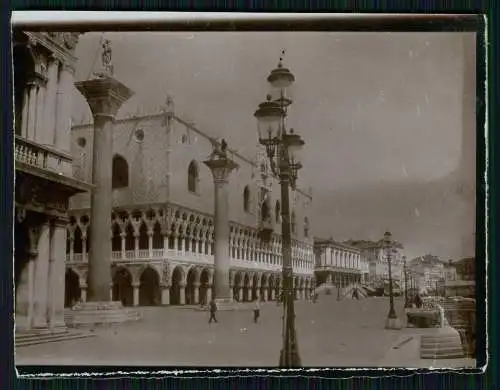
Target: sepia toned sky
[{"x": 382, "y": 115}]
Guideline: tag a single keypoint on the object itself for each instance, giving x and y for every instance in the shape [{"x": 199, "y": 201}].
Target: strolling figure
[
  {"x": 256, "y": 311},
  {"x": 213, "y": 310}
]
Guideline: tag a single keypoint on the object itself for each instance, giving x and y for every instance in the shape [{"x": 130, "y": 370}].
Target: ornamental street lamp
[
  {"x": 392, "y": 321},
  {"x": 406, "y": 282},
  {"x": 282, "y": 149}
]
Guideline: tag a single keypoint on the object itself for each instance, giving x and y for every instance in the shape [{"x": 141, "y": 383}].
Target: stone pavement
[{"x": 331, "y": 334}]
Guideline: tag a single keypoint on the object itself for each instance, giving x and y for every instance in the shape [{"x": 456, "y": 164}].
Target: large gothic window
[
  {"x": 120, "y": 172},
  {"x": 193, "y": 177},
  {"x": 246, "y": 199},
  {"x": 265, "y": 213}
]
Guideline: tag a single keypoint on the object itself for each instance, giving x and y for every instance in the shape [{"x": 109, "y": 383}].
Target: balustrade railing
[
  {"x": 42, "y": 156},
  {"x": 143, "y": 255}
]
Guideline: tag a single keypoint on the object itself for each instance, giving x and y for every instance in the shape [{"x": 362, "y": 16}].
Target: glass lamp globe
[
  {"x": 295, "y": 144},
  {"x": 281, "y": 80},
  {"x": 269, "y": 116}
]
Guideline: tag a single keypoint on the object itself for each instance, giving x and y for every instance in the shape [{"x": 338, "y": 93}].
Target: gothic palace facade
[{"x": 162, "y": 230}]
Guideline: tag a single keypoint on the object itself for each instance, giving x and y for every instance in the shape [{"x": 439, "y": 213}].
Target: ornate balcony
[{"x": 44, "y": 179}]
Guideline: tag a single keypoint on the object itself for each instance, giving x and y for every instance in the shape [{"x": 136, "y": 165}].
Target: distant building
[
  {"x": 461, "y": 278},
  {"x": 428, "y": 272},
  {"x": 376, "y": 258},
  {"x": 338, "y": 264}
]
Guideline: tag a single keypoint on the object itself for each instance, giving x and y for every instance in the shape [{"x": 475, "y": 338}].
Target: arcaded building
[
  {"x": 339, "y": 264},
  {"x": 163, "y": 206},
  {"x": 43, "y": 66}
]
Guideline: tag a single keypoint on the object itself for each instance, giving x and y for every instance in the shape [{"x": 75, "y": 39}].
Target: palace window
[
  {"x": 277, "y": 211},
  {"x": 306, "y": 227},
  {"x": 193, "y": 177},
  {"x": 246, "y": 199},
  {"x": 120, "y": 172},
  {"x": 265, "y": 215}
]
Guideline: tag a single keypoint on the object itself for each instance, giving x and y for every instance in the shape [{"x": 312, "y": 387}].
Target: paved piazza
[{"x": 331, "y": 333}]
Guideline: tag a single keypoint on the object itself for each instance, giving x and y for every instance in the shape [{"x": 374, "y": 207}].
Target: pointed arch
[
  {"x": 120, "y": 172},
  {"x": 193, "y": 177},
  {"x": 246, "y": 199}
]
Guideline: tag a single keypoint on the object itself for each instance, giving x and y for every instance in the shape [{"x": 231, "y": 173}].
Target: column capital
[
  {"x": 104, "y": 95},
  {"x": 221, "y": 168},
  {"x": 136, "y": 284}
]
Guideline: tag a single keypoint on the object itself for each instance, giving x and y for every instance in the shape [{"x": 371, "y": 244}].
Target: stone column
[
  {"x": 30, "y": 129},
  {"x": 25, "y": 112},
  {"x": 50, "y": 111},
  {"x": 123, "y": 237},
  {"x": 83, "y": 291},
  {"x": 57, "y": 273},
  {"x": 240, "y": 293},
  {"x": 104, "y": 96},
  {"x": 41, "y": 287},
  {"x": 135, "y": 287},
  {"x": 64, "y": 97},
  {"x": 40, "y": 130},
  {"x": 150, "y": 243},
  {"x": 209, "y": 293},
  {"x": 182, "y": 294},
  {"x": 221, "y": 169},
  {"x": 196, "y": 290},
  {"x": 165, "y": 294}
]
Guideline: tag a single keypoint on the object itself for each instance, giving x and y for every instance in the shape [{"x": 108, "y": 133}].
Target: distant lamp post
[
  {"x": 392, "y": 321},
  {"x": 282, "y": 149},
  {"x": 405, "y": 270}
]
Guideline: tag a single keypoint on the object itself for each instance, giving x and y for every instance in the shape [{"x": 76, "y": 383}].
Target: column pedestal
[
  {"x": 105, "y": 95},
  {"x": 165, "y": 295}
]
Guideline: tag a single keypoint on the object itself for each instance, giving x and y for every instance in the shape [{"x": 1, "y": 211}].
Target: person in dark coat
[
  {"x": 418, "y": 301},
  {"x": 256, "y": 311},
  {"x": 213, "y": 310}
]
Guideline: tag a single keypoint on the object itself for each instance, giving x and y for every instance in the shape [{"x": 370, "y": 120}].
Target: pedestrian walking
[
  {"x": 213, "y": 310},
  {"x": 256, "y": 311}
]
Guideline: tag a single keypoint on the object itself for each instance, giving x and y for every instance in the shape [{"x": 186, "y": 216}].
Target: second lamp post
[
  {"x": 282, "y": 147},
  {"x": 392, "y": 321}
]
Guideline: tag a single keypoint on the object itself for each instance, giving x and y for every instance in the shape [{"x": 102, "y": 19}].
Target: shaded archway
[
  {"x": 271, "y": 286},
  {"x": 143, "y": 236},
  {"x": 175, "y": 288},
  {"x": 247, "y": 291},
  {"x": 116, "y": 240},
  {"x": 238, "y": 283},
  {"x": 263, "y": 287},
  {"x": 191, "y": 285},
  {"x": 255, "y": 286},
  {"x": 149, "y": 290},
  {"x": 204, "y": 285},
  {"x": 122, "y": 287},
  {"x": 72, "y": 293}
]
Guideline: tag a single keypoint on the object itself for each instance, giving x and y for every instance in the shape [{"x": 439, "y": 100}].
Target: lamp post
[
  {"x": 282, "y": 147},
  {"x": 406, "y": 282},
  {"x": 392, "y": 321}
]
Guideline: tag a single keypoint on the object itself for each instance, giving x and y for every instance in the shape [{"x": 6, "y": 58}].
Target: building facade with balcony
[
  {"x": 43, "y": 66},
  {"x": 163, "y": 203},
  {"x": 376, "y": 258},
  {"x": 338, "y": 264},
  {"x": 460, "y": 278}
]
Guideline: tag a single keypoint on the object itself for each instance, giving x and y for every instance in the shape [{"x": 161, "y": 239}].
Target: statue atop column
[
  {"x": 219, "y": 150},
  {"x": 106, "y": 63}
]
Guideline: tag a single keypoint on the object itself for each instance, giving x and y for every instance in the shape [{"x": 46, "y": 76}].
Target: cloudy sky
[{"x": 382, "y": 115}]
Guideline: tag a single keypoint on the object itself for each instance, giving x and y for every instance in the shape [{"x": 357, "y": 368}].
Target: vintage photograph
[{"x": 245, "y": 199}]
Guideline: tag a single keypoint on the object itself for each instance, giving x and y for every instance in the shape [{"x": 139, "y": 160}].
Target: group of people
[{"x": 212, "y": 306}]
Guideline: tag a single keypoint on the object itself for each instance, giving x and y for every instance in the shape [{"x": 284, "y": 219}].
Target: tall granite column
[
  {"x": 105, "y": 95},
  {"x": 221, "y": 169}
]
